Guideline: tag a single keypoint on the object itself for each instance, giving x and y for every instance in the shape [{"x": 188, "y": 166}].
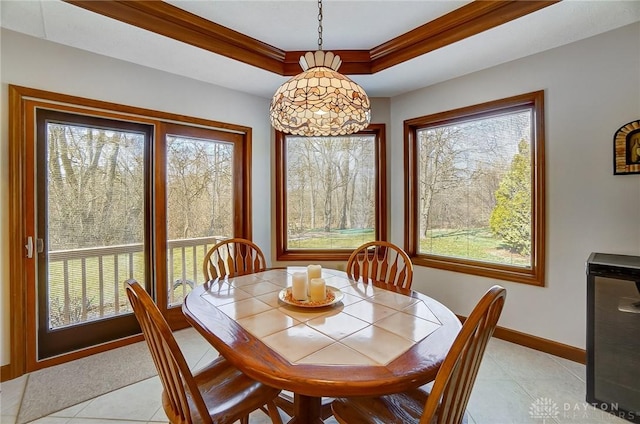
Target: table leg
[{"x": 307, "y": 410}]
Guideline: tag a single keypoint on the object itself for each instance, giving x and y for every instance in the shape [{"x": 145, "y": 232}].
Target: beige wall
[
  {"x": 35, "y": 63},
  {"x": 592, "y": 88}
]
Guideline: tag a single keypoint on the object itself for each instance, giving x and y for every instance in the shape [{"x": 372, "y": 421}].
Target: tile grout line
[
  {"x": 555, "y": 359},
  {"x": 24, "y": 390}
]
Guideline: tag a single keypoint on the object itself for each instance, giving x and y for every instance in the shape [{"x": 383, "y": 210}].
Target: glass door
[
  {"x": 203, "y": 180},
  {"x": 93, "y": 226}
]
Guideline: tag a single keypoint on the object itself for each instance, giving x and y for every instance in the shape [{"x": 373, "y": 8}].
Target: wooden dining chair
[
  {"x": 381, "y": 261},
  {"x": 447, "y": 401},
  {"x": 232, "y": 257},
  {"x": 219, "y": 393}
]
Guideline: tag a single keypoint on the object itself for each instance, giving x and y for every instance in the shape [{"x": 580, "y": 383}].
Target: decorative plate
[{"x": 334, "y": 295}]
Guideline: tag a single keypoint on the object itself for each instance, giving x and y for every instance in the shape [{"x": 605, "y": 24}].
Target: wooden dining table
[{"x": 370, "y": 339}]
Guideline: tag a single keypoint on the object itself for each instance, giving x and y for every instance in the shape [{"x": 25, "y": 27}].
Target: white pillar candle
[
  {"x": 299, "y": 286},
  {"x": 314, "y": 271},
  {"x": 317, "y": 290}
]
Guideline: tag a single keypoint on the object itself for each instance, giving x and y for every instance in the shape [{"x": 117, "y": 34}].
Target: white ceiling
[{"x": 292, "y": 25}]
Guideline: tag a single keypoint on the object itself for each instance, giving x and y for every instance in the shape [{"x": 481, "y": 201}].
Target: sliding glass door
[
  {"x": 200, "y": 176},
  {"x": 102, "y": 193},
  {"x": 92, "y": 227}
]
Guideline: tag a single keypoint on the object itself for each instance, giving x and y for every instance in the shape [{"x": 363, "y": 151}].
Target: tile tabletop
[{"x": 369, "y": 326}]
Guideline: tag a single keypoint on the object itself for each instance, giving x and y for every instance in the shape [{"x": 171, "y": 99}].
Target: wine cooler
[{"x": 613, "y": 334}]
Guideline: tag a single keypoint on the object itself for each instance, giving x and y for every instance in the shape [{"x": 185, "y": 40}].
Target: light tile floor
[{"x": 515, "y": 385}]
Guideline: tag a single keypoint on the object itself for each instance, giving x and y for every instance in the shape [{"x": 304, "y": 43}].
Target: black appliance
[{"x": 613, "y": 334}]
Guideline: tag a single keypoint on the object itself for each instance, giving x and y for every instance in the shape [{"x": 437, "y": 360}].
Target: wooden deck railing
[{"x": 86, "y": 284}]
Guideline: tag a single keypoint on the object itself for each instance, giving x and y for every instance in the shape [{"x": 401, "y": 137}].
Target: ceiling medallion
[{"x": 320, "y": 101}]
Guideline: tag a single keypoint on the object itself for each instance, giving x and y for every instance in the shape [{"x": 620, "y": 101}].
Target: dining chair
[
  {"x": 232, "y": 257},
  {"x": 219, "y": 393},
  {"x": 447, "y": 400},
  {"x": 381, "y": 261}
]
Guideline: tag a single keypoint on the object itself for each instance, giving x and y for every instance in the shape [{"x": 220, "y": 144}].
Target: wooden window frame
[
  {"x": 22, "y": 104},
  {"x": 534, "y": 275},
  {"x": 284, "y": 254}
]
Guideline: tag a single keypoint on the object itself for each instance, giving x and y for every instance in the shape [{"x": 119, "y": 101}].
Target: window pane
[
  {"x": 95, "y": 221},
  {"x": 199, "y": 207},
  {"x": 331, "y": 191},
  {"x": 475, "y": 189}
]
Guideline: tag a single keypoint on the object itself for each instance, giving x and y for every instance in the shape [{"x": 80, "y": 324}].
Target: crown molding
[
  {"x": 173, "y": 22},
  {"x": 170, "y": 21},
  {"x": 471, "y": 19}
]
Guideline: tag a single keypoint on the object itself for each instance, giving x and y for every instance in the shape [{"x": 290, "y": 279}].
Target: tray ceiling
[{"x": 388, "y": 47}]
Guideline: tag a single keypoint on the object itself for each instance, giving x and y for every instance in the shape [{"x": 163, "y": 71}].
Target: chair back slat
[
  {"x": 381, "y": 261},
  {"x": 382, "y": 256},
  {"x": 233, "y": 257},
  {"x": 223, "y": 261},
  {"x": 164, "y": 365},
  {"x": 177, "y": 380},
  {"x": 452, "y": 387},
  {"x": 364, "y": 264},
  {"x": 245, "y": 262}
]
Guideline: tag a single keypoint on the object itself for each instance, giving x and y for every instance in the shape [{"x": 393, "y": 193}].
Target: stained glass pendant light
[{"x": 320, "y": 101}]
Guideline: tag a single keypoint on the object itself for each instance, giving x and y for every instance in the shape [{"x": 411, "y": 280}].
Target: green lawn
[
  {"x": 475, "y": 244},
  {"x": 339, "y": 239}
]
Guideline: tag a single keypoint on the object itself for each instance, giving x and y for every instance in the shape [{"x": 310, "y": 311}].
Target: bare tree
[
  {"x": 460, "y": 167},
  {"x": 87, "y": 171},
  {"x": 438, "y": 162},
  {"x": 325, "y": 178},
  {"x": 199, "y": 188}
]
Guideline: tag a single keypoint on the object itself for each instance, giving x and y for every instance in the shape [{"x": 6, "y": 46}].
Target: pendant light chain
[
  {"x": 319, "y": 24},
  {"x": 320, "y": 101}
]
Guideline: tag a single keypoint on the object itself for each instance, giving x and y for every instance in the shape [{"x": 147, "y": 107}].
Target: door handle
[{"x": 29, "y": 247}]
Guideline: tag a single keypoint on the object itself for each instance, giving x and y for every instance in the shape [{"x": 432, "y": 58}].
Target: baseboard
[
  {"x": 538, "y": 343},
  {"x": 5, "y": 373},
  {"x": 544, "y": 345}
]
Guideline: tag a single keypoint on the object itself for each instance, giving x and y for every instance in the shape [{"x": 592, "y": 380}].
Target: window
[
  {"x": 330, "y": 194},
  {"x": 475, "y": 192}
]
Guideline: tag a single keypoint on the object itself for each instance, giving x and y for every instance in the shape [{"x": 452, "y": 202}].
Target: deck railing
[{"x": 86, "y": 284}]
